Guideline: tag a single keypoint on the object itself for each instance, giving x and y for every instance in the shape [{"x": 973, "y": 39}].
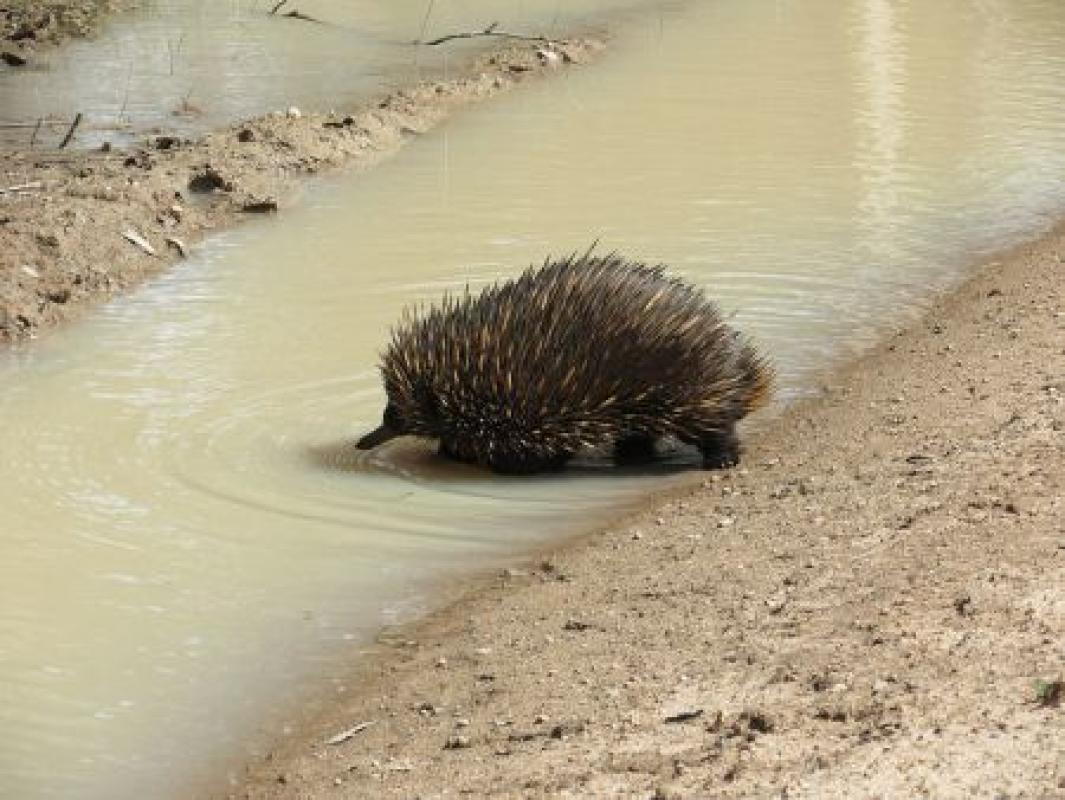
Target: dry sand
[{"x": 872, "y": 606}]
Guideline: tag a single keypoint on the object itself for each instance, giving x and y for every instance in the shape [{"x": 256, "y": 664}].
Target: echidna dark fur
[{"x": 583, "y": 352}]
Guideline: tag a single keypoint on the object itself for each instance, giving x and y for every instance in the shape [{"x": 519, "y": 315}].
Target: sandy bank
[
  {"x": 76, "y": 228},
  {"x": 873, "y": 606}
]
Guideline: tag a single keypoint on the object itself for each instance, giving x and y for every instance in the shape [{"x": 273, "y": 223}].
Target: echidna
[{"x": 583, "y": 352}]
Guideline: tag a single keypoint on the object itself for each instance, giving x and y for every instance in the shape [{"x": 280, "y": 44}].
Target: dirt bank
[
  {"x": 76, "y": 228},
  {"x": 874, "y": 606}
]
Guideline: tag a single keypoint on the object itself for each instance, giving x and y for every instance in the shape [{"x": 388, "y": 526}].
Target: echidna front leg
[
  {"x": 720, "y": 449},
  {"x": 447, "y": 450},
  {"x": 635, "y": 448},
  {"x": 524, "y": 464}
]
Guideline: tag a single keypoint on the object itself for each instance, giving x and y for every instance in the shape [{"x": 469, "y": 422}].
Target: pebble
[
  {"x": 441, "y": 662},
  {"x": 293, "y": 113},
  {"x": 457, "y": 742},
  {"x": 776, "y": 603}
]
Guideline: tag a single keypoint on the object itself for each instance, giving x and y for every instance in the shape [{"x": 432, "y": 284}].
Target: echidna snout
[
  {"x": 391, "y": 426},
  {"x": 585, "y": 352}
]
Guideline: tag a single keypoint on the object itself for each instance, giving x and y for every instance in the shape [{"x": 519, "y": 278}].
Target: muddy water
[
  {"x": 188, "y": 65},
  {"x": 189, "y": 539}
]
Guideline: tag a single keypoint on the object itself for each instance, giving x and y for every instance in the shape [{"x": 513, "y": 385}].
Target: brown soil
[
  {"x": 873, "y": 606},
  {"x": 69, "y": 222},
  {"x": 27, "y": 25}
]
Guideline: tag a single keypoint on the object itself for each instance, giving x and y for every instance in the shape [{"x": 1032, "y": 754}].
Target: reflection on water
[{"x": 187, "y": 532}]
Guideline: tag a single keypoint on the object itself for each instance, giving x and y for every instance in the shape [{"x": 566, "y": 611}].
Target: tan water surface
[
  {"x": 186, "y": 66},
  {"x": 189, "y": 540}
]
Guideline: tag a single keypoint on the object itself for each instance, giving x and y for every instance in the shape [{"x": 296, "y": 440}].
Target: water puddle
[
  {"x": 188, "y": 536},
  {"x": 186, "y": 66}
]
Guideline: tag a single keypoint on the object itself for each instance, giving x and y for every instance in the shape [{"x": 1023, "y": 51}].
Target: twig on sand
[
  {"x": 277, "y": 7},
  {"x": 135, "y": 238},
  {"x": 36, "y": 130},
  {"x": 491, "y": 30},
  {"x": 70, "y": 133},
  {"x": 22, "y": 187},
  {"x": 343, "y": 736}
]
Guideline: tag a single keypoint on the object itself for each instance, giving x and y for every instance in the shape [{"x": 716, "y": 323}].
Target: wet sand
[
  {"x": 79, "y": 227},
  {"x": 873, "y": 605}
]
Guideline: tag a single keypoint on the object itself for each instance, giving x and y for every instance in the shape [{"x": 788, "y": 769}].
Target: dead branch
[
  {"x": 70, "y": 133},
  {"x": 301, "y": 16},
  {"x": 491, "y": 30},
  {"x": 134, "y": 238},
  {"x": 278, "y": 7},
  {"x": 22, "y": 187}
]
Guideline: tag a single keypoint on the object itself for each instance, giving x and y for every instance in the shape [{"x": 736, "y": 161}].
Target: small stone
[
  {"x": 293, "y": 113},
  {"x": 457, "y": 742},
  {"x": 776, "y": 603},
  {"x": 462, "y": 723},
  {"x": 441, "y": 662},
  {"x": 28, "y": 270}
]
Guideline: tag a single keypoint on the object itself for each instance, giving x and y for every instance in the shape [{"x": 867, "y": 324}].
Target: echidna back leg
[
  {"x": 636, "y": 448},
  {"x": 720, "y": 449}
]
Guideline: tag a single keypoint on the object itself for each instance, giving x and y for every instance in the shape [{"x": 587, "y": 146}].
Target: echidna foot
[
  {"x": 634, "y": 449},
  {"x": 513, "y": 464},
  {"x": 720, "y": 449}
]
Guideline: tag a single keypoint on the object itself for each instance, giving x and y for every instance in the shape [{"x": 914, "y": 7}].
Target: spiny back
[{"x": 582, "y": 345}]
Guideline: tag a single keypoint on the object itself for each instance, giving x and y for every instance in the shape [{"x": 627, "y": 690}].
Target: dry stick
[
  {"x": 36, "y": 130},
  {"x": 489, "y": 31},
  {"x": 278, "y": 7},
  {"x": 70, "y": 133},
  {"x": 125, "y": 98},
  {"x": 22, "y": 187},
  {"x": 301, "y": 16},
  {"x": 425, "y": 21}
]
